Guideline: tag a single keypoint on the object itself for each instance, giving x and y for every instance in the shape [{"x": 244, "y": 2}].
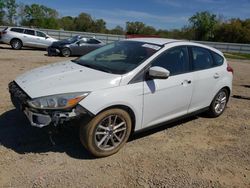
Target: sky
[{"x": 161, "y": 14}]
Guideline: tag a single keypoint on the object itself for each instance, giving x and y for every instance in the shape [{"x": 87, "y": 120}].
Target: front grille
[{"x": 18, "y": 97}]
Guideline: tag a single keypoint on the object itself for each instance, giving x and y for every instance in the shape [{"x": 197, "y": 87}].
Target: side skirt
[{"x": 172, "y": 120}]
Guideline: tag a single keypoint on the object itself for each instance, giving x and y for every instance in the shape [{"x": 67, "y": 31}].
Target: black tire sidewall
[
  {"x": 87, "y": 132},
  {"x": 16, "y": 40},
  {"x": 62, "y": 52},
  {"x": 212, "y": 111}
]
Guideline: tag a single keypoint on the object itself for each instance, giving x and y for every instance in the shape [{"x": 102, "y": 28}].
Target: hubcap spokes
[
  {"x": 110, "y": 132},
  {"x": 16, "y": 44},
  {"x": 220, "y": 102}
]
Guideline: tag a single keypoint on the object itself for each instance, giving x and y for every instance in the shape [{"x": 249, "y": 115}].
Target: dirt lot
[{"x": 196, "y": 152}]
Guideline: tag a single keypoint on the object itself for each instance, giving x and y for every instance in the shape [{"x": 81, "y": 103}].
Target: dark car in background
[{"x": 74, "y": 46}]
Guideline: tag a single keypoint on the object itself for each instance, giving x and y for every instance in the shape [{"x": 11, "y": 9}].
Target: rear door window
[
  {"x": 202, "y": 59},
  {"x": 18, "y": 30},
  {"x": 29, "y": 32}
]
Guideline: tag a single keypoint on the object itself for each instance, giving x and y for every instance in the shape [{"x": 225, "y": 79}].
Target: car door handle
[
  {"x": 216, "y": 75},
  {"x": 185, "y": 82}
]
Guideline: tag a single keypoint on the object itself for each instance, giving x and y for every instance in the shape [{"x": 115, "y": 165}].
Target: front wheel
[
  {"x": 66, "y": 52},
  {"x": 106, "y": 133},
  {"x": 219, "y": 103}
]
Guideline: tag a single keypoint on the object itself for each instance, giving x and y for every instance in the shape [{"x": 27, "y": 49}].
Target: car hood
[
  {"x": 65, "y": 77},
  {"x": 60, "y": 43}
]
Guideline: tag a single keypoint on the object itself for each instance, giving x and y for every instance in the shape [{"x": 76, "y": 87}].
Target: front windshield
[
  {"x": 72, "y": 39},
  {"x": 119, "y": 57}
]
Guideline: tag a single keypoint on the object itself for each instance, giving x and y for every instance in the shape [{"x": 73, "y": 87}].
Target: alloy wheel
[
  {"x": 110, "y": 132},
  {"x": 220, "y": 102}
]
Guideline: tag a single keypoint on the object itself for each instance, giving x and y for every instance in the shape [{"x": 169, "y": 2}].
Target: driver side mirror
[
  {"x": 158, "y": 73},
  {"x": 46, "y": 37}
]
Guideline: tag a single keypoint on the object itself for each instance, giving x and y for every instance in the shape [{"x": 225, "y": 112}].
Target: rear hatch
[{"x": 3, "y": 32}]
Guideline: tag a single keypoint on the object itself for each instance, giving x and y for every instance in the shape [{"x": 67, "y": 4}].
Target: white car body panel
[
  {"x": 130, "y": 95},
  {"x": 52, "y": 79},
  {"x": 159, "y": 105},
  {"x": 152, "y": 102}
]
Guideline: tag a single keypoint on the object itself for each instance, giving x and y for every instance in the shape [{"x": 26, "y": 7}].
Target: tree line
[{"x": 204, "y": 25}]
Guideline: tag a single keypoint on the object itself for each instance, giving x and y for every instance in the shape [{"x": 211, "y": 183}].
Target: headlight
[{"x": 62, "y": 101}]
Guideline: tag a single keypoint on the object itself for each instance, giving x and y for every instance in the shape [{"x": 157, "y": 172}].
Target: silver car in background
[{"x": 19, "y": 37}]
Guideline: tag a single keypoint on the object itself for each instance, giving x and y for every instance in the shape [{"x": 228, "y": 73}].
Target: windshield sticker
[{"x": 155, "y": 47}]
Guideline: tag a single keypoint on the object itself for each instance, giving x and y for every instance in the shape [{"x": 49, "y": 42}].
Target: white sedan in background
[{"x": 125, "y": 87}]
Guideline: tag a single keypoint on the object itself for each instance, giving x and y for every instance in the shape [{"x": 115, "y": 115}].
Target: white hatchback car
[{"x": 124, "y": 87}]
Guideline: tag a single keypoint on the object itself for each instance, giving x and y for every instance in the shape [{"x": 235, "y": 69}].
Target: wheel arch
[
  {"x": 228, "y": 91},
  {"x": 66, "y": 47},
  {"x": 127, "y": 109},
  {"x": 15, "y": 38}
]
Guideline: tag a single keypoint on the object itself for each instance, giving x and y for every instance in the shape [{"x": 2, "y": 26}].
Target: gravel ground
[{"x": 195, "y": 152}]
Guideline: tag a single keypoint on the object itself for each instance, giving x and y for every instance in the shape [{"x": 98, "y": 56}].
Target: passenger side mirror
[{"x": 158, "y": 73}]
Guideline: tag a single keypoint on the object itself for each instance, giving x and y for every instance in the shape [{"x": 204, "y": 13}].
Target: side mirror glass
[{"x": 158, "y": 73}]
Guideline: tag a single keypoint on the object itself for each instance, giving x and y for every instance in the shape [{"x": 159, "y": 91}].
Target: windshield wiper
[
  {"x": 97, "y": 68},
  {"x": 92, "y": 66}
]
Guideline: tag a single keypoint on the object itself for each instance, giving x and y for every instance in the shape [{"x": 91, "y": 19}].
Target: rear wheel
[
  {"x": 16, "y": 44},
  {"x": 66, "y": 52},
  {"x": 106, "y": 134},
  {"x": 219, "y": 103}
]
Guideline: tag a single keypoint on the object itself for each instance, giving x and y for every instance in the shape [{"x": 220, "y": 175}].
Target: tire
[
  {"x": 219, "y": 103},
  {"x": 66, "y": 52},
  {"x": 106, "y": 133},
  {"x": 16, "y": 44}
]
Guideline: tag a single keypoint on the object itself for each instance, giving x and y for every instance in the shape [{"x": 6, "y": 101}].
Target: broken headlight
[{"x": 62, "y": 101}]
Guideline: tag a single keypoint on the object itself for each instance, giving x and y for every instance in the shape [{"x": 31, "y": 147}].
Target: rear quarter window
[
  {"x": 17, "y": 30},
  {"x": 93, "y": 41},
  {"x": 218, "y": 59}
]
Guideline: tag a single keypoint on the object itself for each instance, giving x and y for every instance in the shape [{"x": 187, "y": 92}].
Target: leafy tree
[
  {"x": 2, "y": 5},
  {"x": 67, "y": 23},
  {"x": 118, "y": 30},
  {"x": 99, "y": 26},
  {"x": 236, "y": 31},
  {"x": 83, "y": 22},
  {"x": 135, "y": 27},
  {"x": 11, "y": 9},
  {"x": 40, "y": 16},
  {"x": 204, "y": 24}
]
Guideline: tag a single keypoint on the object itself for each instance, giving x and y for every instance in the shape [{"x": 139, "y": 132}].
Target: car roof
[
  {"x": 165, "y": 41},
  {"x": 158, "y": 41},
  {"x": 25, "y": 28}
]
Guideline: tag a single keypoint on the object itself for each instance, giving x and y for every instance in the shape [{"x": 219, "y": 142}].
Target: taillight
[
  {"x": 4, "y": 32},
  {"x": 230, "y": 69}
]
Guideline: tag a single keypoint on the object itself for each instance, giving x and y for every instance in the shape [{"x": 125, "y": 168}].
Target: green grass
[{"x": 237, "y": 56}]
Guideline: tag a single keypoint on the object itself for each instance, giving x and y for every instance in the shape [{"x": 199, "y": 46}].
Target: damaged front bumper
[
  {"x": 54, "y": 118},
  {"x": 43, "y": 118},
  {"x": 52, "y": 51}
]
